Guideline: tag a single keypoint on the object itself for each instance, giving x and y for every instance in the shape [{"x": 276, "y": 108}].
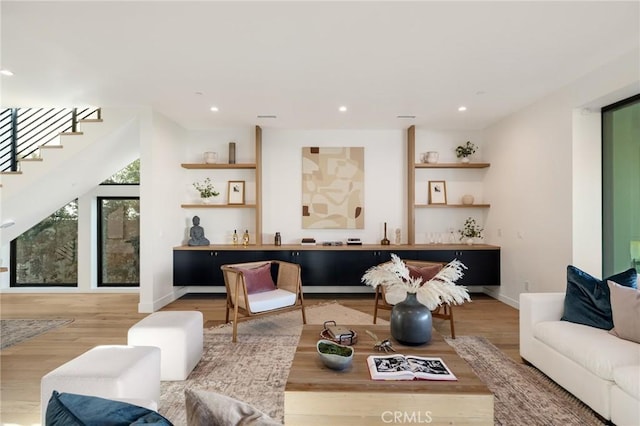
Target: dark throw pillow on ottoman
[
  {"x": 69, "y": 409},
  {"x": 587, "y": 300}
]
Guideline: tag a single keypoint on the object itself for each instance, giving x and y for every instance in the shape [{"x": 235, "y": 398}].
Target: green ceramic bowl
[{"x": 333, "y": 355}]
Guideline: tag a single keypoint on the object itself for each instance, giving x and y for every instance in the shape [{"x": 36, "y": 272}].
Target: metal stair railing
[{"x": 24, "y": 130}]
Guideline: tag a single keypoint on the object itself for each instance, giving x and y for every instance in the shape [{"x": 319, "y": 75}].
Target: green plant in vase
[
  {"x": 465, "y": 151},
  {"x": 207, "y": 190},
  {"x": 470, "y": 230}
]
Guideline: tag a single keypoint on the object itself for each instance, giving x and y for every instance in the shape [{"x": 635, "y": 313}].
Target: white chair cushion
[
  {"x": 593, "y": 348},
  {"x": 268, "y": 300}
]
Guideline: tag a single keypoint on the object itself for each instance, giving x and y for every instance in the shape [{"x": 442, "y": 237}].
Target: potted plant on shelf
[
  {"x": 465, "y": 151},
  {"x": 207, "y": 190},
  {"x": 470, "y": 230}
]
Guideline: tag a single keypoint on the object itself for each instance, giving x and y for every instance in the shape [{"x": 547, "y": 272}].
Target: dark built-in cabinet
[{"x": 332, "y": 266}]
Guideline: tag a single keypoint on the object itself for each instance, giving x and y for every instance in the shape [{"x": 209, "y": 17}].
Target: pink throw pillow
[
  {"x": 424, "y": 272},
  {"x": 258, "y": 280}
]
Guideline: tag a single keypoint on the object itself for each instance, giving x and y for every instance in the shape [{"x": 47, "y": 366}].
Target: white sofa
[{"x": 600, "y": 369}]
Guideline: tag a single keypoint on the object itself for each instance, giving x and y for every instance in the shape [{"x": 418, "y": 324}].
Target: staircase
[{"x": 74, "y": 160}]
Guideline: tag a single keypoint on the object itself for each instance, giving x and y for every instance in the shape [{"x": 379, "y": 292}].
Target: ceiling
[{"x": 301, "y": 60}]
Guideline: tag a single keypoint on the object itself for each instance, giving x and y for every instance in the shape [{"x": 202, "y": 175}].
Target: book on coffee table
[{"x": 408, "y": 367}]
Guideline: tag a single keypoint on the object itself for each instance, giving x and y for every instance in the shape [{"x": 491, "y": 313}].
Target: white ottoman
[
  {"x": 130, "y": 373},
  {"x": 179, "y": 336}
]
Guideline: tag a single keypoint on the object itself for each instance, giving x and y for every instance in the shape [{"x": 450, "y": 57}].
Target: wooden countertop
[{"x": 300, "y": 247}]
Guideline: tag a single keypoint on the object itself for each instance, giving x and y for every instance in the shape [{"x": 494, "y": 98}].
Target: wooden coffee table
[{"x": 316, "y": 395}]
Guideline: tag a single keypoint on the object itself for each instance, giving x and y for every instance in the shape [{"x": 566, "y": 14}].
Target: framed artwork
[
  {"x": 437, "y": 192},
  {"x": 235, "y": 193},
  {"x": 333, "y": 187}
]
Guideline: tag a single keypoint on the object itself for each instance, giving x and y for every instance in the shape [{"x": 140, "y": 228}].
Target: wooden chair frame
[
  {"x": 443, "y": 311},
  {"x": 289, "y": 278}
]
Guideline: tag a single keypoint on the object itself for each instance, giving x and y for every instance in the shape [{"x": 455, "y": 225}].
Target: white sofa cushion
[
  {"x": 593, "y": 348},
  {"x": 628, "y": 379},
  {"x": 268, "y": 300}
]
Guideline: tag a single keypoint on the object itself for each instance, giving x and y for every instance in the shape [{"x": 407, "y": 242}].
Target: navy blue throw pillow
[
  {"x": 68, "y": 409},
  {"x": 587, "y": 300}
]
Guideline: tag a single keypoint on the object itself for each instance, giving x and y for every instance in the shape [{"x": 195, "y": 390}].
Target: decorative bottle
[
  {"x": 278, "y": 239},
  {"x": 245, "y": 238},
  {"x": 235, "y": 237},
  {"x": 232, "y": 153}
]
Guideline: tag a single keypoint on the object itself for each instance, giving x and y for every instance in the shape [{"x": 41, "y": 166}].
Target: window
[
  {"x": 621, "y": 186},
  {"x": 130, "y": 175},
  {"x": 46, "y": 255},
  {"x": 118, "y": 242}
]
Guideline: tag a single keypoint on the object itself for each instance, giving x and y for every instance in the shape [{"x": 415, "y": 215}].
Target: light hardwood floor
[{"x": 105, "y": 318}]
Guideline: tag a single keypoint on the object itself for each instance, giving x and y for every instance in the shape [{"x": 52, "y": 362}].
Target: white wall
[
  {"x": 544, "y": 185},
  {"x": 161, "y": 151},
  {"x": 384, "y": 186}
]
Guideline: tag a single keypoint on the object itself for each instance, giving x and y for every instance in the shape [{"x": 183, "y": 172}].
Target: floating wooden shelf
[
  {"x": 452, "y": 165},
  {"x": 218, "y": 166},
  {"x": 459, "y": 206},
  {"x": 218, "y": 206},
  {"x": 3, "y": 269}
]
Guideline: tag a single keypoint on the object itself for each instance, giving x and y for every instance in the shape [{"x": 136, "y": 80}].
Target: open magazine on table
[{"x": 408, "y": 367}]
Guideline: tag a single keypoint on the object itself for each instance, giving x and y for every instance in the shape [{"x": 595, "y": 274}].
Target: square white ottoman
[
  {"x": 120, "y": 372},
  {"x": 179, "y": 336}
]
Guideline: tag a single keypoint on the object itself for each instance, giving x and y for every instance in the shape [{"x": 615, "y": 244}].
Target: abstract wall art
[{"x": 332, "y": 188}]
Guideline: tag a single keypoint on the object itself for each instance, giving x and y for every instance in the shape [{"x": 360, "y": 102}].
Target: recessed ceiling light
[
  {"x": 406, "y": 116},
  {"x": 342, "y": 108},
  {"x": 462, "y": 108},
  {"x": 6, "y": 72},
  {"x": 214, "y": 108},
  {"x": 267, "y": 116}
]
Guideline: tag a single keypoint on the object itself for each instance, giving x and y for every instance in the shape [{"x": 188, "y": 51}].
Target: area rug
[
  {"x": 255, "y": 370},
  {"x": 523, "y": 396},
  {"x": 14, "y": 331}
]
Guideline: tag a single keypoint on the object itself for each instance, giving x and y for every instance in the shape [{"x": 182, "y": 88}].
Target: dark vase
[{"x": 411, "y": 321}]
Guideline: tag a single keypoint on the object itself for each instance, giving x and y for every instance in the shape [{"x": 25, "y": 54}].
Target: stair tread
[
  {"x": 71, "y": 133},
  {"x": 50, "y": 147},
  {"x": 91, "y": 120},
  {"x": 31, "y": 159},
  {"x": 11, "y": 173}
]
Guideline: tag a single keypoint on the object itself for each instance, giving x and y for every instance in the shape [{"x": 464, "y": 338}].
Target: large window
[
  {"x": 118, "y": 241},
  {"x": 621, "y": 186},
  {"x": 46, "y": 255}
]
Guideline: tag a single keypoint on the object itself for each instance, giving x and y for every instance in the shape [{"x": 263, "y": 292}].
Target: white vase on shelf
[
  {"x": 467, "y": 199},
  {"x": 210, "y": 157},
  {"x": 465, "y": 159}
]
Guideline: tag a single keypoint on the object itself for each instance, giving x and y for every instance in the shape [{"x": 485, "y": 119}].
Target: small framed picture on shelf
[
  {"x": 437, "y": 192},
  {"x": 235, "y": 194}
]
